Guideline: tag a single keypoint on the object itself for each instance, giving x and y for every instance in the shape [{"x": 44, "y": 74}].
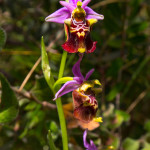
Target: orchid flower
[
  {"x": 88, "y": 146},
  {"x": 84, "y": 91},
  {"x": 78, "y": 19}
]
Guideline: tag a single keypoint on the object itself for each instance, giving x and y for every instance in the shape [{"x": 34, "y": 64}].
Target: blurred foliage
[
  {"x": 3, "y": 38},
  {"x": 121, "y": 63},
  {"x": 9, "y": 103}
]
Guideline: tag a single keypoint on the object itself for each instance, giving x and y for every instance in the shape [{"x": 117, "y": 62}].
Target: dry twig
[
  {"x": 38, "y": 61},
  {"x": 139, "y": 98},
  {"x": 29, "y": 74},
  {"x": 30, "y": 96}
]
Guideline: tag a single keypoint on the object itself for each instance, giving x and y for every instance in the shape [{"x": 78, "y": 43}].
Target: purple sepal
[
  {"x": 74, "y": 2},
  {"x": 67, "y": 5},
  {"x": 76, "y": 69},
  {"x": 59, "y": 16},
  {"x": 85, "y": 3},
  {"x": 91, "y": 14},
  {"x": 78, "y": 79},
  {"x": 92, "y": 146},
  {"x": 88, "y": 146},
  {"x": 89, "y": 74},
  {"x": 66, "y": 88}
]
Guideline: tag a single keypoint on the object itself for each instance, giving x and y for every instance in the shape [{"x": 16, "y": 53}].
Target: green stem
[
  {"x": 59, "y": 105},
  {"x": 62, "y": 65}
]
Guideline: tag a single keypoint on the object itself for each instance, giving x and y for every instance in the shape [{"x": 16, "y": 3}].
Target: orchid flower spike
[
  {"x": 65, "y": 12},
  {"x": 88, "y": 146},
  {"x": 84, "y": 91}
]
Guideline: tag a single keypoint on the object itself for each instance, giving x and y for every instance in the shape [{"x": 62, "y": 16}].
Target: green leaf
[
  {"x": 40, "y": 90},
  {"x": 54, "y": 129},
  {"x": 114, "y": 91},
  {"x": 50, "y": 140},
  {"x": 147, "y": 126},
  {"x": 8, "y": 115},
  {"x": 115, "y": 141},
  {"x": 123, "y": 114},
  {"x": 113, "y": 14},
  {"x": 115, "y": 43},
  {"x": 146, "y": 146},
  {"x": 135, "y": 4},
  {"x": 9, "y": 103},
  {"x": 61, "y": 81},
  {"x": 30, "y": 106},
  {"x": 130, "y": 144},
  {"x": 115, "y": 67},
  {"x": 2, "y": 38},
  {"x": 121, "y": 117},
  {"x": 137, "y": 39},
  {"x": 137, "y": 27},
  {"x": 46, "y": 67}
]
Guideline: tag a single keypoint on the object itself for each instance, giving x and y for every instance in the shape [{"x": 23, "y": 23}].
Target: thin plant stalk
[{"x": 59, "y": 105}]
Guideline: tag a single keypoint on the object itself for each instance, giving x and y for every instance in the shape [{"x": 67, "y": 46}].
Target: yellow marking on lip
[
  {"x": 81, "y": 34},
  {"x": 85, "y": 104},
  {"x": 99, "y": 119},
  {"x": 76, "y": 30},
  {"x": 81, "y": 50}
]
